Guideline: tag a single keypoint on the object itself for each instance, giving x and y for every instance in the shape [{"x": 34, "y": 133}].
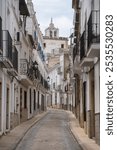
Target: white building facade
[
  {"x": 86, "y": 65},
  {"x": 23, "y": 75}
]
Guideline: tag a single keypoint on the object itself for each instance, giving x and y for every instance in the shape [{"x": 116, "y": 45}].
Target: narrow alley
[
  {"x": 52, "y": 132},
  {"x": 49, "y": 74}
]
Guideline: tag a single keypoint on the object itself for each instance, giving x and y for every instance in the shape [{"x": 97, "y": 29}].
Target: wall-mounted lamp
[
  {"x": 35, "y": 65},
  {"x": 48, "y": 79}
]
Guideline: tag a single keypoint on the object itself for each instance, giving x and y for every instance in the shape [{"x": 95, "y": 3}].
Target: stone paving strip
[
  {"x": 12, "y": 139},
  {"x": 85, "y": 142}
]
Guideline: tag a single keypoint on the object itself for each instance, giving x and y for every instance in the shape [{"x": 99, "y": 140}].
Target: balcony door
[{"x": 7, "y": 109}]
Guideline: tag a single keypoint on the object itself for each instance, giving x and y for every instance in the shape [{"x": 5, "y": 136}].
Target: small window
[
  {"x": 51, "y": 34},
  {"x": 25, "y": 99},
  {"x": 62, "y": 45},
  {"x": 18, "y": 36},
  {"x": 44, "y": 44},
  {"x": 54, "y": 85},
  {"x": 55, "y": 33}
]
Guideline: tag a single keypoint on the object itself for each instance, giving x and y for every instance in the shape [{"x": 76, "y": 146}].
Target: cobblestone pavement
[{"x": 51, "y": 132}]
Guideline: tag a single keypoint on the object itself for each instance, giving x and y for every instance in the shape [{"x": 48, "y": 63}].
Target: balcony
[
  {"x": 84, "y": 60},
  {"x": 87, "y": 62},
  {"x": 15, "y": 59},
  {"x": 82, "y": 46},
  {"x": 77, "y": 23},
  {"x": 26, "y": 73},
  {"x": 75, "y": 51},
  {"x": 23, "y": 8},
  {"x": 1, "y": 35},
  {"x": 6, "y": 56},
  {"x": 94, "y": 34},
  {"x": 14, "y": 71}
]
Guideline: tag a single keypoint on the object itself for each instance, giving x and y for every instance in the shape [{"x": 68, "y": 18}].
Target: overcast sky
[{"x": 60, "y": 10}]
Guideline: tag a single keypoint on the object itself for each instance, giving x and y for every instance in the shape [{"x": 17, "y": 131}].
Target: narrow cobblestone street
[{"x": 52, "y": 132}]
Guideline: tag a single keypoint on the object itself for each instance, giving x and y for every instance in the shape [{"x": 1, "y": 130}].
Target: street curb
[
  {"x": 82, "y": 139},
  {"x": 78, "y": 140},
  {"x": 20, "y": 139},
  {"x": 75, "y": 137}
]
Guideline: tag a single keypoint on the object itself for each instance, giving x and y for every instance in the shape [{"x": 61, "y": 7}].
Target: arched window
[
  {"x": 51, "y": 34},
  {"x": 54, "y": 33}
]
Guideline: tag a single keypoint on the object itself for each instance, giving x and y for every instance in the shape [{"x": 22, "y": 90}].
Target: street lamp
[
  {"x": 48, "y": 79},
  {"x": 35, "y": 65},
  {"x": 35, "y": 68}
]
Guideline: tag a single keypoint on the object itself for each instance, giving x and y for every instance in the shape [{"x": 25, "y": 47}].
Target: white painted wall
[
  {"x": 54, "y": 44},
  {"x": 97, "y": 87}
]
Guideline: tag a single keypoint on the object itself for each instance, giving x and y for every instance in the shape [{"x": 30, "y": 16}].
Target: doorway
[
  {"x": 92, "y": 104},
  {"x": 25, "y": 99},
  {"x": 42, "y": 102},
  {"x": 7, "y": 109},
  {"x": 20, "y": 103},
  {"x": 34, "y": 100},
  {"x": 38, "y": 101}
]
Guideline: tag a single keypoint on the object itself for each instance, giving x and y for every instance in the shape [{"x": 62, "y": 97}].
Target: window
[
  {"x": 34, "y": 100},
  {"x": 51, "y": 34},
  {"x": 55, "y": 98},
  {"x": 55, "y": 33},
  {"x": 38, "y": 101},
  {"x": 44, "y": 44},
  {"x": 25, "y": 99},
  {"x": 62, "y": 45},
  {"x": 54, "y": 85}
]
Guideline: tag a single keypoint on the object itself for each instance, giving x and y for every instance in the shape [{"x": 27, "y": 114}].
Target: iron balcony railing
[
  {"x": 75, "y": 49},
  {"x": 23, "y": 8},
  {"x": 15, "y": 59},
  {"x": 25, "y": 69},
  {"x": 1, "y": 48},
  {"x": 37, "y": 74},
  {"x": 94, "y": 27},
  {"x": 7, "y": 45},
  {"x": 82, "y": 45}
]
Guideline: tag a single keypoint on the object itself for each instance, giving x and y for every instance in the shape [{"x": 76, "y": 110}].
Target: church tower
[{"x": 51, "y": 31}]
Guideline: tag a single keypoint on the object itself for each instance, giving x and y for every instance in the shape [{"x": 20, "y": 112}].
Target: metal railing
[
  {"x": 75, "y": 51},
  {"x": 82, "y": 45},
  {"x": 1, "y": 35},
  {"x": 7, "y": 45},
  {"x": 15, "y": 59},
  {"x": 25, "y": 69},
  {"x": 94, "y": 27}
]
